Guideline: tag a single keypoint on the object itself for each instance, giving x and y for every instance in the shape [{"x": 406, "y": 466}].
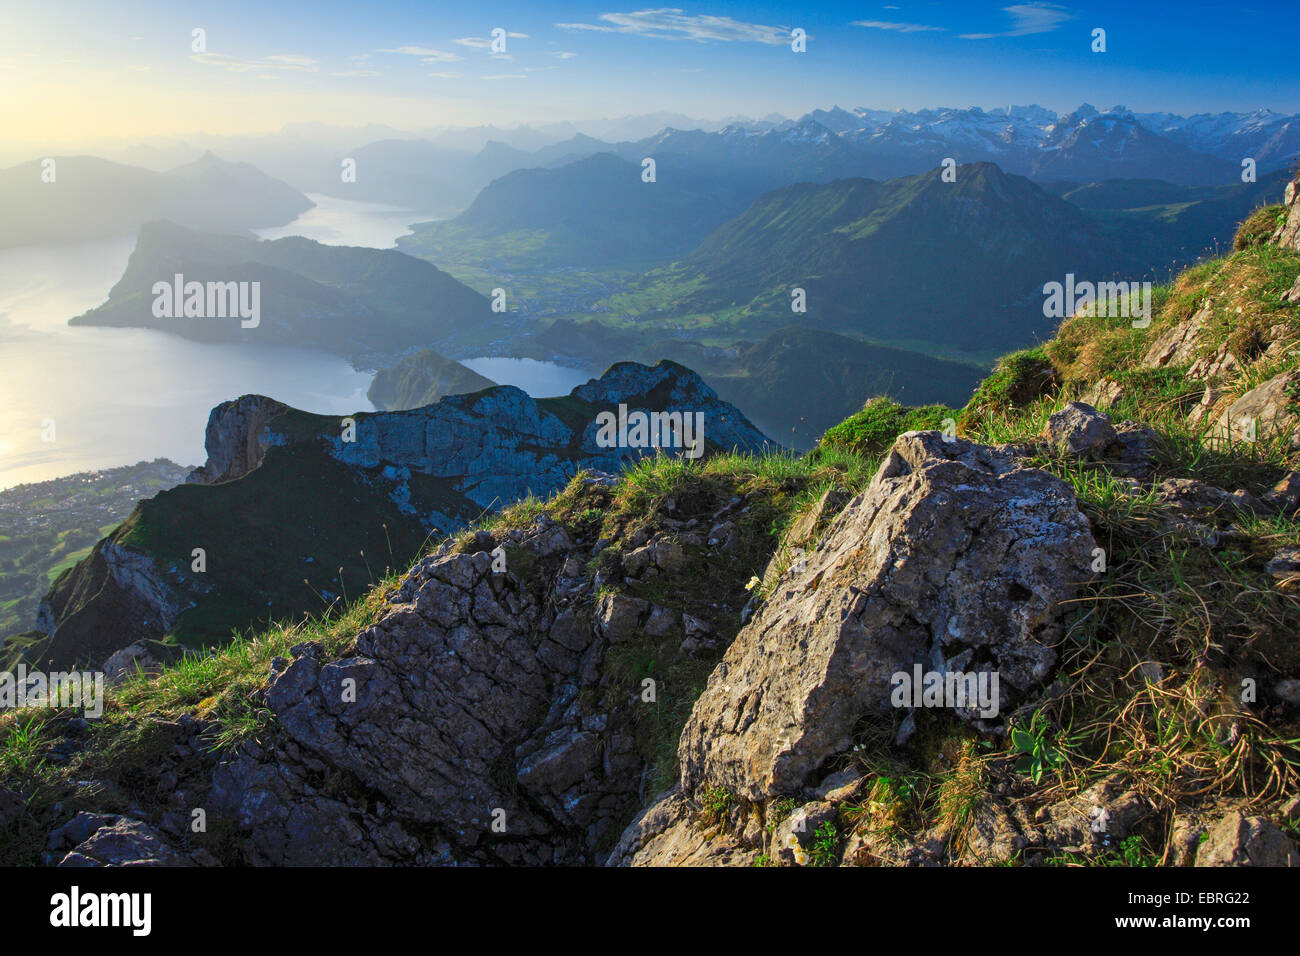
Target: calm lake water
[
  {"x": 116, "y": 396},
  {"x": 538, "y": 379}
]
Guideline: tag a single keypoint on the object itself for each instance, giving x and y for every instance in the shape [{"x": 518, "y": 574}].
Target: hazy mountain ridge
[{"x": 92, "y": 198}]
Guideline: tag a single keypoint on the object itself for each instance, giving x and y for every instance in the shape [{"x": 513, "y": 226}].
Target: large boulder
[
  {"x": 1079, "y": 429},
  {"x": 954, "y": 558}
]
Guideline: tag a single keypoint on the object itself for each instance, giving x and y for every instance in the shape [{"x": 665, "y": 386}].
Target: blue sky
[{"x": 88, "y": 67}]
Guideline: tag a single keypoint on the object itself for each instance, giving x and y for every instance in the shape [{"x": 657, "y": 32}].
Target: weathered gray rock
[
  {"x": 1218, "y": 364},
  {"x": 78, "y": 829},
  {"x": 1191, "y": 496},
  {"x": 458, "y": 712},
  {"x": 993, "y": 836},
  {"x": 1292, "y": 294},
  {"x": 1105, "y": 392},
  {"x": 1079, "y": 429},
  {"x": 1241, "y": 840},
  {"x": 237, "y": 437},
  {"x": 1263, "y": 412},
  {"x": 951, "y": 555},
  {"x": 124, "y": 843},
  {"x": 128, "y": 661},
  {"x": 1203, "y": 411},
  {"x": 1177, "y": 345},
  {"x": 1132, "y": 454},
  {"x": 619, "y": 616},
  {"x": 668, "y": 834}
]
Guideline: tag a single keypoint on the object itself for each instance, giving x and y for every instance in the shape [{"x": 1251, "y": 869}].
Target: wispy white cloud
[
  {"x": 563, "y": 54},
  {"x": 446, "y": 76},
  {"x": 1028, "y": 19},
  {"x": 427, "y": 54},
  {"x": 891, "y": 25},
  {"x": 673, "y": 23},
  {"x": 286, "y": 62},
  {"x": 506, "y": 76},
  {"x": 356, "y": 73}
]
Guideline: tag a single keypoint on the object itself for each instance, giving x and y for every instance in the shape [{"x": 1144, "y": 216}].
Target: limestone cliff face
[
  {"x": 286, "y": 496},
  {"x": 237, "y": 436}
]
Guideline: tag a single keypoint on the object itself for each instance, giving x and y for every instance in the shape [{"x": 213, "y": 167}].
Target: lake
[
  {"x": 117, "y": 396},
  {"x": 538, "y": 379}
]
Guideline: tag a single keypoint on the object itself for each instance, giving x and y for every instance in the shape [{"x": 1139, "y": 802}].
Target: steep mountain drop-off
[
  {"x": 290, "y": 516},
  {"x": 695, "y": 663}
]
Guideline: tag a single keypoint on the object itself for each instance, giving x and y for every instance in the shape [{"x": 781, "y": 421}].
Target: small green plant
[
  {"x": 779, "y": 810},
  {"x": 717, "y": 801},
  {"x": 825, "y": 845},
  {"x": 19, "y": 753},
  {"x": 1036, "y": 755}
]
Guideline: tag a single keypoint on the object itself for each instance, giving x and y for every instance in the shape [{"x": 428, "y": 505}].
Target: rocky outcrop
[
  {"x": 954, "y": 559},
  {"x": 1266, "y": 411},
  {"x": 478, "y": 720},
  {"x": 1178, "y": 344},
  {"x": 1288, "y": 234},
  {"x": 237, "y": 436},
  {"x": 401, "y": 477},
  {"x": 1079, "y": 429}
]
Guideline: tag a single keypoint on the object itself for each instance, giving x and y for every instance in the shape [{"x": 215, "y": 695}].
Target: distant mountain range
[
  {"x": 1086, "y": 144},
  {"x": 78, "y": 198}
]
